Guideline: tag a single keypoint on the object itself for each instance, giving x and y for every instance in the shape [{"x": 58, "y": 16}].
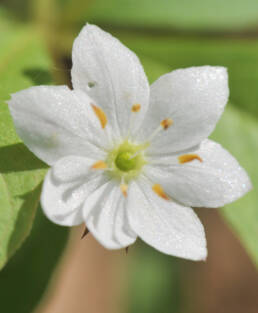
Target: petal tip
[
  {"x": 247, "y": 186},
  {"x": 200, "y": 254},
  {"x": 90, "y": 28},
  {"x": 204, "y": 255},
  {"x": 223, "y": 71}
]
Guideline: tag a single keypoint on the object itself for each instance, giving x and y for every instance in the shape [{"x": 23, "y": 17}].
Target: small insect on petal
[
  {"x": 99, "y": 165},
  {"x": 166, "y": 123},
  {"x": 188, "y": 158},
  {"x": 159, "y": 191},
  {"x": 124, "y": 188},
  {"x": 91, "y": 84},
  {"x": 100, "y": 115},
  {"x": 136, "y": 107}
]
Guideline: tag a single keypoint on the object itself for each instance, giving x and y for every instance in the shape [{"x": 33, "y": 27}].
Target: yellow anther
[
  {"x": 188, "y": 158},
  {"x": 100, "y": 115},
  {"x": 100, "y": 165},
  {"x": 124, "y": 188},
  {"x": 166, "y": 123},
  {"x": 136, "y": 107},
  {"x": 159, "y": 191}
]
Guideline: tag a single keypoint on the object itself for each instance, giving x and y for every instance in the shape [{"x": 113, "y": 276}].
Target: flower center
[{"x": 126, "y": 160}]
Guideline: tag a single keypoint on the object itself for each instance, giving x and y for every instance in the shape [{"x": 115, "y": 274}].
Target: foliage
[
  {"x": 22, "y": 60},
  {"x": 191, "y": 15},
  {"x": 27, "y": 275}
]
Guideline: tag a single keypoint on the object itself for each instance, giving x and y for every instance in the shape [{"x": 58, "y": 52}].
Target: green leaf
[
  {"x": 26, "y": 276},
  {"x": 23, "y": 62},
  {"x": 178, "y": 14},
  {"x": 18, "y": 9},
  {"x": 238, "y": 132}
]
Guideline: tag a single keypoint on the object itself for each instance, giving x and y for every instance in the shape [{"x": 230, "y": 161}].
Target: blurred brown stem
[{"x": 89, "y": 279}]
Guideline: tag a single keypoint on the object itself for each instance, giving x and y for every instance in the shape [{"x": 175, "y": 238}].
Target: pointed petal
[
  {"x": 105, "y": 216},
  {"x": 214, "y": 182},
  {"x": 194, "y": 99},
  {"x": 54, "y": 121},
  {"x": 112, "y": 75},
  {"x": 165, "y": 225},
  {"x": 66, "y": 186}
]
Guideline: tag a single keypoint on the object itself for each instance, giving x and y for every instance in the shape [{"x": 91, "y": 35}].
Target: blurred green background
[{"x": 36, "y": 38}]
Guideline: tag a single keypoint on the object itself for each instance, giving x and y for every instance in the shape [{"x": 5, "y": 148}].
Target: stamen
[
  {"x": 188, "y": 158},
  {"x": 100, "y": 115},
  {"x": 99, "y": 165},
  {"x": 156, "y": 131},
  {"x": 166, "y": 123},
  {"x": 136, "y": 107},
  {"x": 124, "y": 188},
  {"x": 159, "y": 191},
  {"x": 139, "y": 151}
]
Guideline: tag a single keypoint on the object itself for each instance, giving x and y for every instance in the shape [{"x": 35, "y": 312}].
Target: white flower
[{"x": 126, "y": 158}]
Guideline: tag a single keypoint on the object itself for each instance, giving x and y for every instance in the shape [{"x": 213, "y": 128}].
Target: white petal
[
  {"x": 73, "y": 169},
  {"x": 194, "y": 98},
  {"x": 165, "y": 225},
  {"x": 112, "y": 75},
  {"x": 66, "y": 187},
  {"x": 54, "y": 121},
  {"x": 105, "y": 217},
  {"x": 214, "y": 182}
]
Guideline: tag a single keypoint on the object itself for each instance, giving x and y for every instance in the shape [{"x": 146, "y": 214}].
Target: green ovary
[{"x": 126, "y": 160}]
